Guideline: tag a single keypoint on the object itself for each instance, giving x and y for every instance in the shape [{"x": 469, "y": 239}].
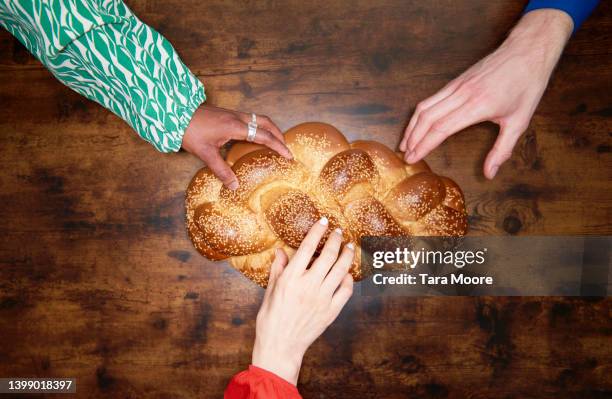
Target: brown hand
[{"x": 211, "y": 127}]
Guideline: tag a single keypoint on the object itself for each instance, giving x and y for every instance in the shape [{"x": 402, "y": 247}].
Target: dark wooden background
[{"x": 99, "y": 281}]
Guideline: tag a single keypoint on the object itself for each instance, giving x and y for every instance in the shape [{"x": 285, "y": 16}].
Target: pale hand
[
  {"x": 300, "y": 303},
  {"x": 504, "y": 87}
]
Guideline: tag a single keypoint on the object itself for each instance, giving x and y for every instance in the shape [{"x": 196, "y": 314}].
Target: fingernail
[
  {"x": 494, "y": 170},
  {"x": 323, "y": 221},
  {"x": 233, "y": 185},
  {"x": 338, "y": 231},
  {"x": 410, "y": 156},
  {"x": 350, "y": 246}
]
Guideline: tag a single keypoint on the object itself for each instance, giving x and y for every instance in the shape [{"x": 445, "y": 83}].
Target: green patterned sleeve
[{"x": 104, "y": 52}]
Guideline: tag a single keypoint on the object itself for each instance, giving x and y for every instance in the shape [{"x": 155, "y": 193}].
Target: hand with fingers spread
[
  {"x": 300, "y": 302},
  {"x": 211, "y": 127},
  {"x": 505, "y": 87}
]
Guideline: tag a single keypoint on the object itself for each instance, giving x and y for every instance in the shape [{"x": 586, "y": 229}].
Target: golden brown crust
[
  {"x": 203, "y": 188},
  {"x": 443, "y": 221},
  {"x": 454, "y": 196},
  {"x": 314, "y": 143},
  {"x": 241, "y": 148},
  {"x": 387, "y": 163},
  {"x": 413, "y": 169},
  {"x": 415, "y": 196},
  {"x": 199, "y": 242},
  {"x": 346, "y": 170},
  {"x": 257, "y": 168},
  {"x": 364, "y": 188},
  {"x": 368, "y": 217},
  {"x": 291, "y": 216},
  {"x": 231, "y": 229}
]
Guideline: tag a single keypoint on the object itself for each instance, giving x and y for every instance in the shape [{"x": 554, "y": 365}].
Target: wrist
[
  {"x": 542, "y": 33},
  {"x": 189, "y": 142},
  {"x": 554, "y": 24},
  {"x": 282, "y": 363}
]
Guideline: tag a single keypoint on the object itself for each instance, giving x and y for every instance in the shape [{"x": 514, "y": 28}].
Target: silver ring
[{"x": 252, "y": 128}]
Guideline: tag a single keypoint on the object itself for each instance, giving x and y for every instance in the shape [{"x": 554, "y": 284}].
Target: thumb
[
  {"x": 502, "y": 149},
  {"x": 210, "y": 155}
]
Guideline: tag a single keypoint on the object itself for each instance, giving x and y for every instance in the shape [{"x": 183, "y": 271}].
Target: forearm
[
  {"x": 541, "y": 33},
  {"x": 285, "y": 365},
  {"x": 134, "y": 72},
  {"x": 105, "y": 53}
]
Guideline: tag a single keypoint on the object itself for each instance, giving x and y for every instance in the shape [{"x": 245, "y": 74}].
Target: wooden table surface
[{"x": 99, "y": 281}]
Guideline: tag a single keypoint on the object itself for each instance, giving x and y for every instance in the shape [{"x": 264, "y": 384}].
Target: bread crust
[{"x": 363, "y": 187}]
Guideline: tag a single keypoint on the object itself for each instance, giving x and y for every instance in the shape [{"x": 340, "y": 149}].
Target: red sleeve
[{"x": 256, "y": 383}]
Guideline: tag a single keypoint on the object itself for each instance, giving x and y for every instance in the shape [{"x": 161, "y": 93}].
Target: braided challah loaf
[{"x": 362, "y": 187}]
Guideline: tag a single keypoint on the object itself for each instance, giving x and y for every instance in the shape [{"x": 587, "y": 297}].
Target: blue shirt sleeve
[{"x": 578, "y": 10}]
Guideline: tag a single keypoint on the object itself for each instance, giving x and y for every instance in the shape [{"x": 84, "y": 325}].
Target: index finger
[
  {"x": 425, "y": 104},
  {"x": 307, "y": 248},
  {"x": 428, "y": 117},
  {"x": 271, "y": 141},
  {"x": 462, "y": 117},
  {"x": 267, "y": 123}
]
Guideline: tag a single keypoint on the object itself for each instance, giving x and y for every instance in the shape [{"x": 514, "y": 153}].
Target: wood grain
[{"x": 99, "y": 281}]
